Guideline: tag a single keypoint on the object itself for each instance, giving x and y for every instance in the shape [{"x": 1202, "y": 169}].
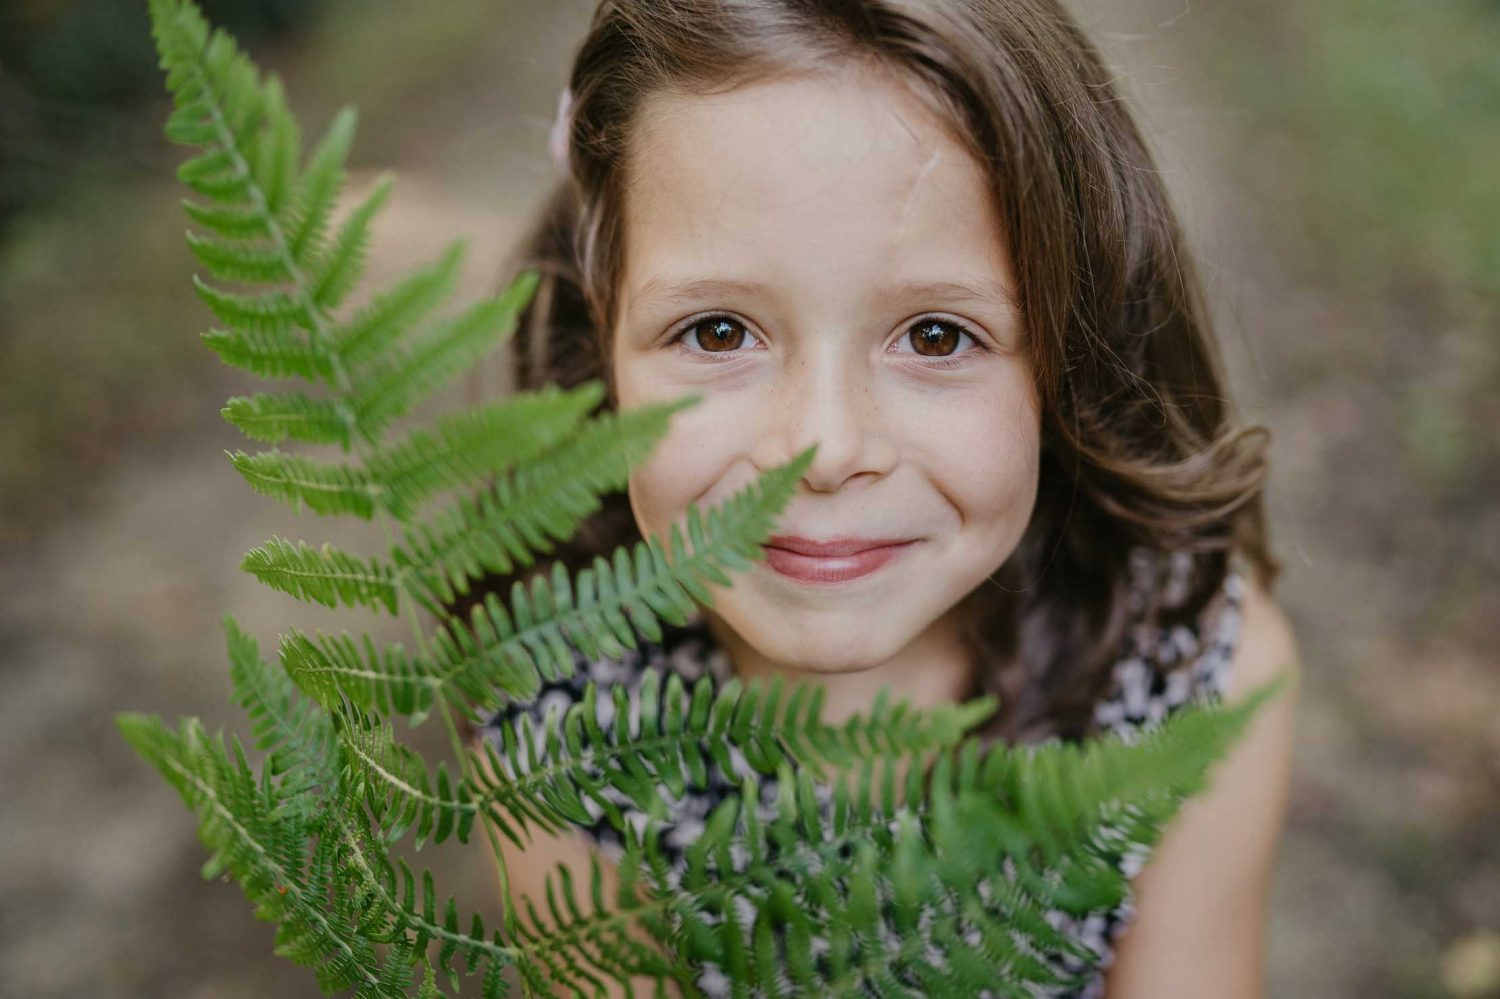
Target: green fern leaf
[
  {"x": 542, "y": 501},
  {"x": 270, "y": 355},
  {"x": 238, "y": 262},
  {"x": 410, "y": 376},
  {"x": 477, "y": 442},
  {"x": 383, "y": 321},
  {"x": 322, "y": 488},
  {"x": 192, "y": 125},
  {"x": 399, "y": 790},
  {"x": 217, "y": 174},
  {"x": 462, "y": 448},
  {"x": 574, "y": 949},
  {"x": 262, "y": 845},
  {"x": 303, "y": 747},
  {"x": 323, "y": 575},
  {"x": 534, "y": 634},
  {"x": 319, "y": 189},
  {"x": 272, "y": 312},
  {"x": 274, "y": 418},
  {"x": 344, "y": 261},
  {"x": 1058, "y": 790},
  {"x": 551, "y": 777},
  {"x": 330, "y": 669},
  {"x": 228, "y": 223},
  {"x": 277, "y": 151}
]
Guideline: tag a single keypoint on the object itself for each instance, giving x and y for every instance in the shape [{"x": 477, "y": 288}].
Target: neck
[{"x": 936, "y": 667}]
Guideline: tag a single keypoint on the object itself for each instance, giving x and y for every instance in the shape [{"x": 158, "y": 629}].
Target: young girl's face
[{"x": 820, "y": 262}]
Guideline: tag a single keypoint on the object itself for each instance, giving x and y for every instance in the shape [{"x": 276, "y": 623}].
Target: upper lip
[{"x": 832, "y": 548}]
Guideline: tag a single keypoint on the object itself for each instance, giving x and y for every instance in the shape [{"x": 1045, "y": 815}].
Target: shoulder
[
  {"x": 1266, "y": 644},
  {"x": 1202, "y": 899}
]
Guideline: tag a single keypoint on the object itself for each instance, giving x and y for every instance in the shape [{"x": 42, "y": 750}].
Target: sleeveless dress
[{"x": 1142, "y": 692}]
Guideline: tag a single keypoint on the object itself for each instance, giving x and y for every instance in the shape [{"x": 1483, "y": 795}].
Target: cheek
[
  {"x": 688, "y": 464},
  {"x": 987, "y": 459}
]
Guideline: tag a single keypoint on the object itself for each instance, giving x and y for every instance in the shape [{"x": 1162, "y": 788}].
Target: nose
[{"x": 832, "y": 401}]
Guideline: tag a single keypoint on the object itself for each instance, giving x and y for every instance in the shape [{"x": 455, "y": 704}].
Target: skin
[{"x": 831, "y": 194}]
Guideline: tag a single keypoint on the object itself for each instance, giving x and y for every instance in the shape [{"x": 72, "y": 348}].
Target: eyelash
[{"x": 952, "y": 361}]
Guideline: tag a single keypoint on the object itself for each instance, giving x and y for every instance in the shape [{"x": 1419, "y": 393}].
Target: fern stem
[
  {"x": 288, "y": 882},
  {"x": 318, "y": 332},
  {"x": 343, "y": 388},
  {"x": 373, "y": 883},
  {"x": 510, "y": 954}
]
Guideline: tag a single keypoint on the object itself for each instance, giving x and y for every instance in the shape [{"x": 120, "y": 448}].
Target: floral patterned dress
[{"x": 1147, "y": 685}]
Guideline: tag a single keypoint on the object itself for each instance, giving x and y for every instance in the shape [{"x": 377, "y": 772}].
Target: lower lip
[{"x": 840, "y": 569}]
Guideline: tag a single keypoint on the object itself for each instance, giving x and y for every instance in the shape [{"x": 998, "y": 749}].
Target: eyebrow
[{"x": 986, "y": 290}]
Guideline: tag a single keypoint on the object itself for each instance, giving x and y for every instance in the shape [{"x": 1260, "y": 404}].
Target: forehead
[{"x": 841, "y": 179}]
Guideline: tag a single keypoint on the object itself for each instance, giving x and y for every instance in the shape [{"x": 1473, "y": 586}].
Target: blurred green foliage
[
  {"x": 1374, "y": 134},
  {"x": 1388, "y": 112},
  {"x": 90, "y": 281},
  {"x": 69, "y": 67}
]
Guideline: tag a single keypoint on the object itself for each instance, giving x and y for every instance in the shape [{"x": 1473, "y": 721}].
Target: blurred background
[{"x": 1336, "y": 162}]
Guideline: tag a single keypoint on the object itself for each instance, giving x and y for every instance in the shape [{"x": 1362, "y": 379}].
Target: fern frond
[
  {"x": 330, "y": 668},
  {"x": 542, "y": 501},
  {"x": 253, "y": 264},
  {"x": 269, "y": 312},
  {"x": 877, "y": 883},
  {"x": 640, "y": 588},
  {"x": 743, "y": 874},
  {"x": 275, "y": 417},
  {"x": 399, "y": 791},
  {"x": 299, "y": 739},
  {"x": 470, "y": 444},
  {"x": 571, "y": 948},
  {"x": 335, "y": 274},
  {"x": 217, "y": 174},
  {"x": 406, "y": 377},
  {"x": 399, "y": 477},
  {"x": 270, "y": 355},
  {"x": 228, "y": 223},
  {"x": 391, "y": 911},
  {"x": 663, "y": 740},
  {"x": 277, "y": 152},
  {"x": 1057, "y": 793},
  {"x": 497, "y": 654},
  {"x": 323, "y": 575},
  {"x": 298, "y": 481},
  {"x": 318, "y": 189},
  {"x": 264, "y": 846},
  {"x": 384, "y": 320}
]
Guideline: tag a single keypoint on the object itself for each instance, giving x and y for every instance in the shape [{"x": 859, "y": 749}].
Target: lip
[
  {"x": 833, "y": 547},
  {"x": 836, "y": 561}
]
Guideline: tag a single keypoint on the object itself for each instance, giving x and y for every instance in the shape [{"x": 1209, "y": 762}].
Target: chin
[
  {"x": 821, "y": 656},
  {"x": 815, "y": 643}
]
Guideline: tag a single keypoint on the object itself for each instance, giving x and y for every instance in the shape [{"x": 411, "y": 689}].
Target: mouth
[{"x": 830, "y": 562}]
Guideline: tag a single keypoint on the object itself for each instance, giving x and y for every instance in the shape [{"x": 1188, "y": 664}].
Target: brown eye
[
  {"x": 935, "y": 338},
  {"x": 717, "y": 334}
]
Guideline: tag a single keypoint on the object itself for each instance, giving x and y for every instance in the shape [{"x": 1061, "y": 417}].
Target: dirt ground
[{"x": 1392, "y": 856}]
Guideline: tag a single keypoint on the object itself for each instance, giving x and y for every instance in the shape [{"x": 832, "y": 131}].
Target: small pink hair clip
[{"x": 557, "y": 141}]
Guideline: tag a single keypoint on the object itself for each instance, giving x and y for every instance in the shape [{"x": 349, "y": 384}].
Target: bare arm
[{"x": 1202, "y": 899}]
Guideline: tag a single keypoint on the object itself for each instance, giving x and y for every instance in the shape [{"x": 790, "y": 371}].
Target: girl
[{"x": 926, "y": 236}]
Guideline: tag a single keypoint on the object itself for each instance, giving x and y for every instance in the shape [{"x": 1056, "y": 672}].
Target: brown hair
[{"x": 1139, "y": 446}]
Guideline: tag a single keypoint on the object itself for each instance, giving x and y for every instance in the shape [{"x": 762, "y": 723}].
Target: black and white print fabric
[{"x": 1147, "y": 685}]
